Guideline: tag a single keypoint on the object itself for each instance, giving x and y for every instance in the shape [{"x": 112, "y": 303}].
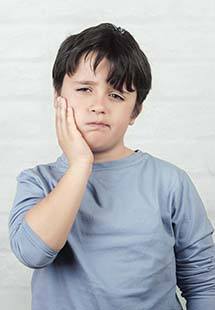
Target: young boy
[{"x": 106, "y": 227}]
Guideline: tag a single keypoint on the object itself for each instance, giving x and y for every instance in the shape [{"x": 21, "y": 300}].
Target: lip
[{"x": 99, "y": 125}]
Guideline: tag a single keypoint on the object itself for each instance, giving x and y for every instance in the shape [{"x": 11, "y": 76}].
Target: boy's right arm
[
  {"x": 52, "y": 217},
  {"x": 39, "y": 225}
]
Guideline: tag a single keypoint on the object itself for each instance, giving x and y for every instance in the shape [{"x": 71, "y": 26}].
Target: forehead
[
  {"x": 84, "y": 74},
  {"x": 85, "y": 66}
]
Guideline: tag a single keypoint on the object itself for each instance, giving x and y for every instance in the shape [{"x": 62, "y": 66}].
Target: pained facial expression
[{"x": 98, "y": 102}]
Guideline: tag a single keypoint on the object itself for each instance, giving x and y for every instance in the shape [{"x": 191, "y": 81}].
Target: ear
[{"x": 133, "y": 118}]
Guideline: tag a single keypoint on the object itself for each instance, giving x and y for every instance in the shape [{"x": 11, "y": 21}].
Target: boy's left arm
[{"x": 194, "y": 246}]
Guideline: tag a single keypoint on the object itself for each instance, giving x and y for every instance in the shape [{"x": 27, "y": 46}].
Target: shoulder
[
  {"x": 166, "y": 172},
  {"x": 44, "y": 175}
]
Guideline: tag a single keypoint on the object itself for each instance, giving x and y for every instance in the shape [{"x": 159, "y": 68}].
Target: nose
[{"x": 98, "y": 106}]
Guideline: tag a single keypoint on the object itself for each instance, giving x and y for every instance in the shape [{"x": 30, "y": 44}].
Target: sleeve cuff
[{"x": 36, "y": 241}]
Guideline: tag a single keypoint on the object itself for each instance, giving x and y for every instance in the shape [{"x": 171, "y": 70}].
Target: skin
[{"x": 102, "y": 103}]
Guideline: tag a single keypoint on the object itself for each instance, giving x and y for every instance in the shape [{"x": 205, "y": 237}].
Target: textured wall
[{"x": 177, "y": 123}]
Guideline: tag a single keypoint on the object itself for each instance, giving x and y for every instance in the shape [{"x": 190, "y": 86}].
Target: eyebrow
[{"x": 94, "y": 83}]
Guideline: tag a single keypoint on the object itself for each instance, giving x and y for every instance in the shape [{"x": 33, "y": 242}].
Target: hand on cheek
[{"x": 69, "y": 137}]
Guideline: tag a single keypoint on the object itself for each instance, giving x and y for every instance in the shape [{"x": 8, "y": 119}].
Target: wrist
[{"x": 86, "y": 165}]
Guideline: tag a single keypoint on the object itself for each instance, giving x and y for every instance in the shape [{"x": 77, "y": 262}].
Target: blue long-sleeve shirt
[{"x": 141, "y": 229}]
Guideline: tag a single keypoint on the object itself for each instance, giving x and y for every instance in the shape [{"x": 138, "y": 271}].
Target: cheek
[
  {"x": 119, "y": 127},
  {"x": 79, "y": 116},
  {"x": 76, "y": 107},
  {"x": 78, "y": 104},
  {"x": 122, "y": 119}
]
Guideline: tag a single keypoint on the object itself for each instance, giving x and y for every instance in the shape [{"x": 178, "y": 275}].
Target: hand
[{"x": 69, "y": 137}]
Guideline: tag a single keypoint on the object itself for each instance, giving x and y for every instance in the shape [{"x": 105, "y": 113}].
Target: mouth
[{"x": 98, "y": 125}]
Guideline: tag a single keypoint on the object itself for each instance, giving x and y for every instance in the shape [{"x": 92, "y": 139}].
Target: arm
[
  {"x": 194, "y": 246},
  {"x": 39, "y": 225},
  {"x": 54, "y": 215}
]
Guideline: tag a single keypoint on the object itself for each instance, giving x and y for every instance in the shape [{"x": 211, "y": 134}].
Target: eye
[
  {"x": 86, "y": 88},
  {"x": 81, "y": 89},
  {"x": 119, "y": 97}
]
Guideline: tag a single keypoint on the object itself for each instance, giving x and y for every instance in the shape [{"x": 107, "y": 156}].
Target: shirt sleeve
[
  {"x": 27, "y": 246},
  {"x": 194, "y": 246}
]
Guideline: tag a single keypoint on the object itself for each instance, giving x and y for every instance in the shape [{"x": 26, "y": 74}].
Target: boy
[{"x": 104, "y": 226}]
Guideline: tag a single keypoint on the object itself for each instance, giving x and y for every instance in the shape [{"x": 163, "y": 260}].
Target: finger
[
  {"x": 63, "y": 116},
  {"x": 71, "y": 117},
  {"x": 55, "y": 99},
  {"x": 58, "y": 120}
]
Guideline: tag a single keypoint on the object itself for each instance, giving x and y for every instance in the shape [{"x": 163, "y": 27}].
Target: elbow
[
  {"x": 29, "y": 252},
  {"x": 17, "y": 251}
]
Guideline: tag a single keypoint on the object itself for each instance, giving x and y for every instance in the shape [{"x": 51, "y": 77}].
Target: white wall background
[{"x": 178, "y": 121}]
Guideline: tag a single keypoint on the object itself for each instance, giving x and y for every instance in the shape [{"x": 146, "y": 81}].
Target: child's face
[{"x": 99, "y": 102}]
